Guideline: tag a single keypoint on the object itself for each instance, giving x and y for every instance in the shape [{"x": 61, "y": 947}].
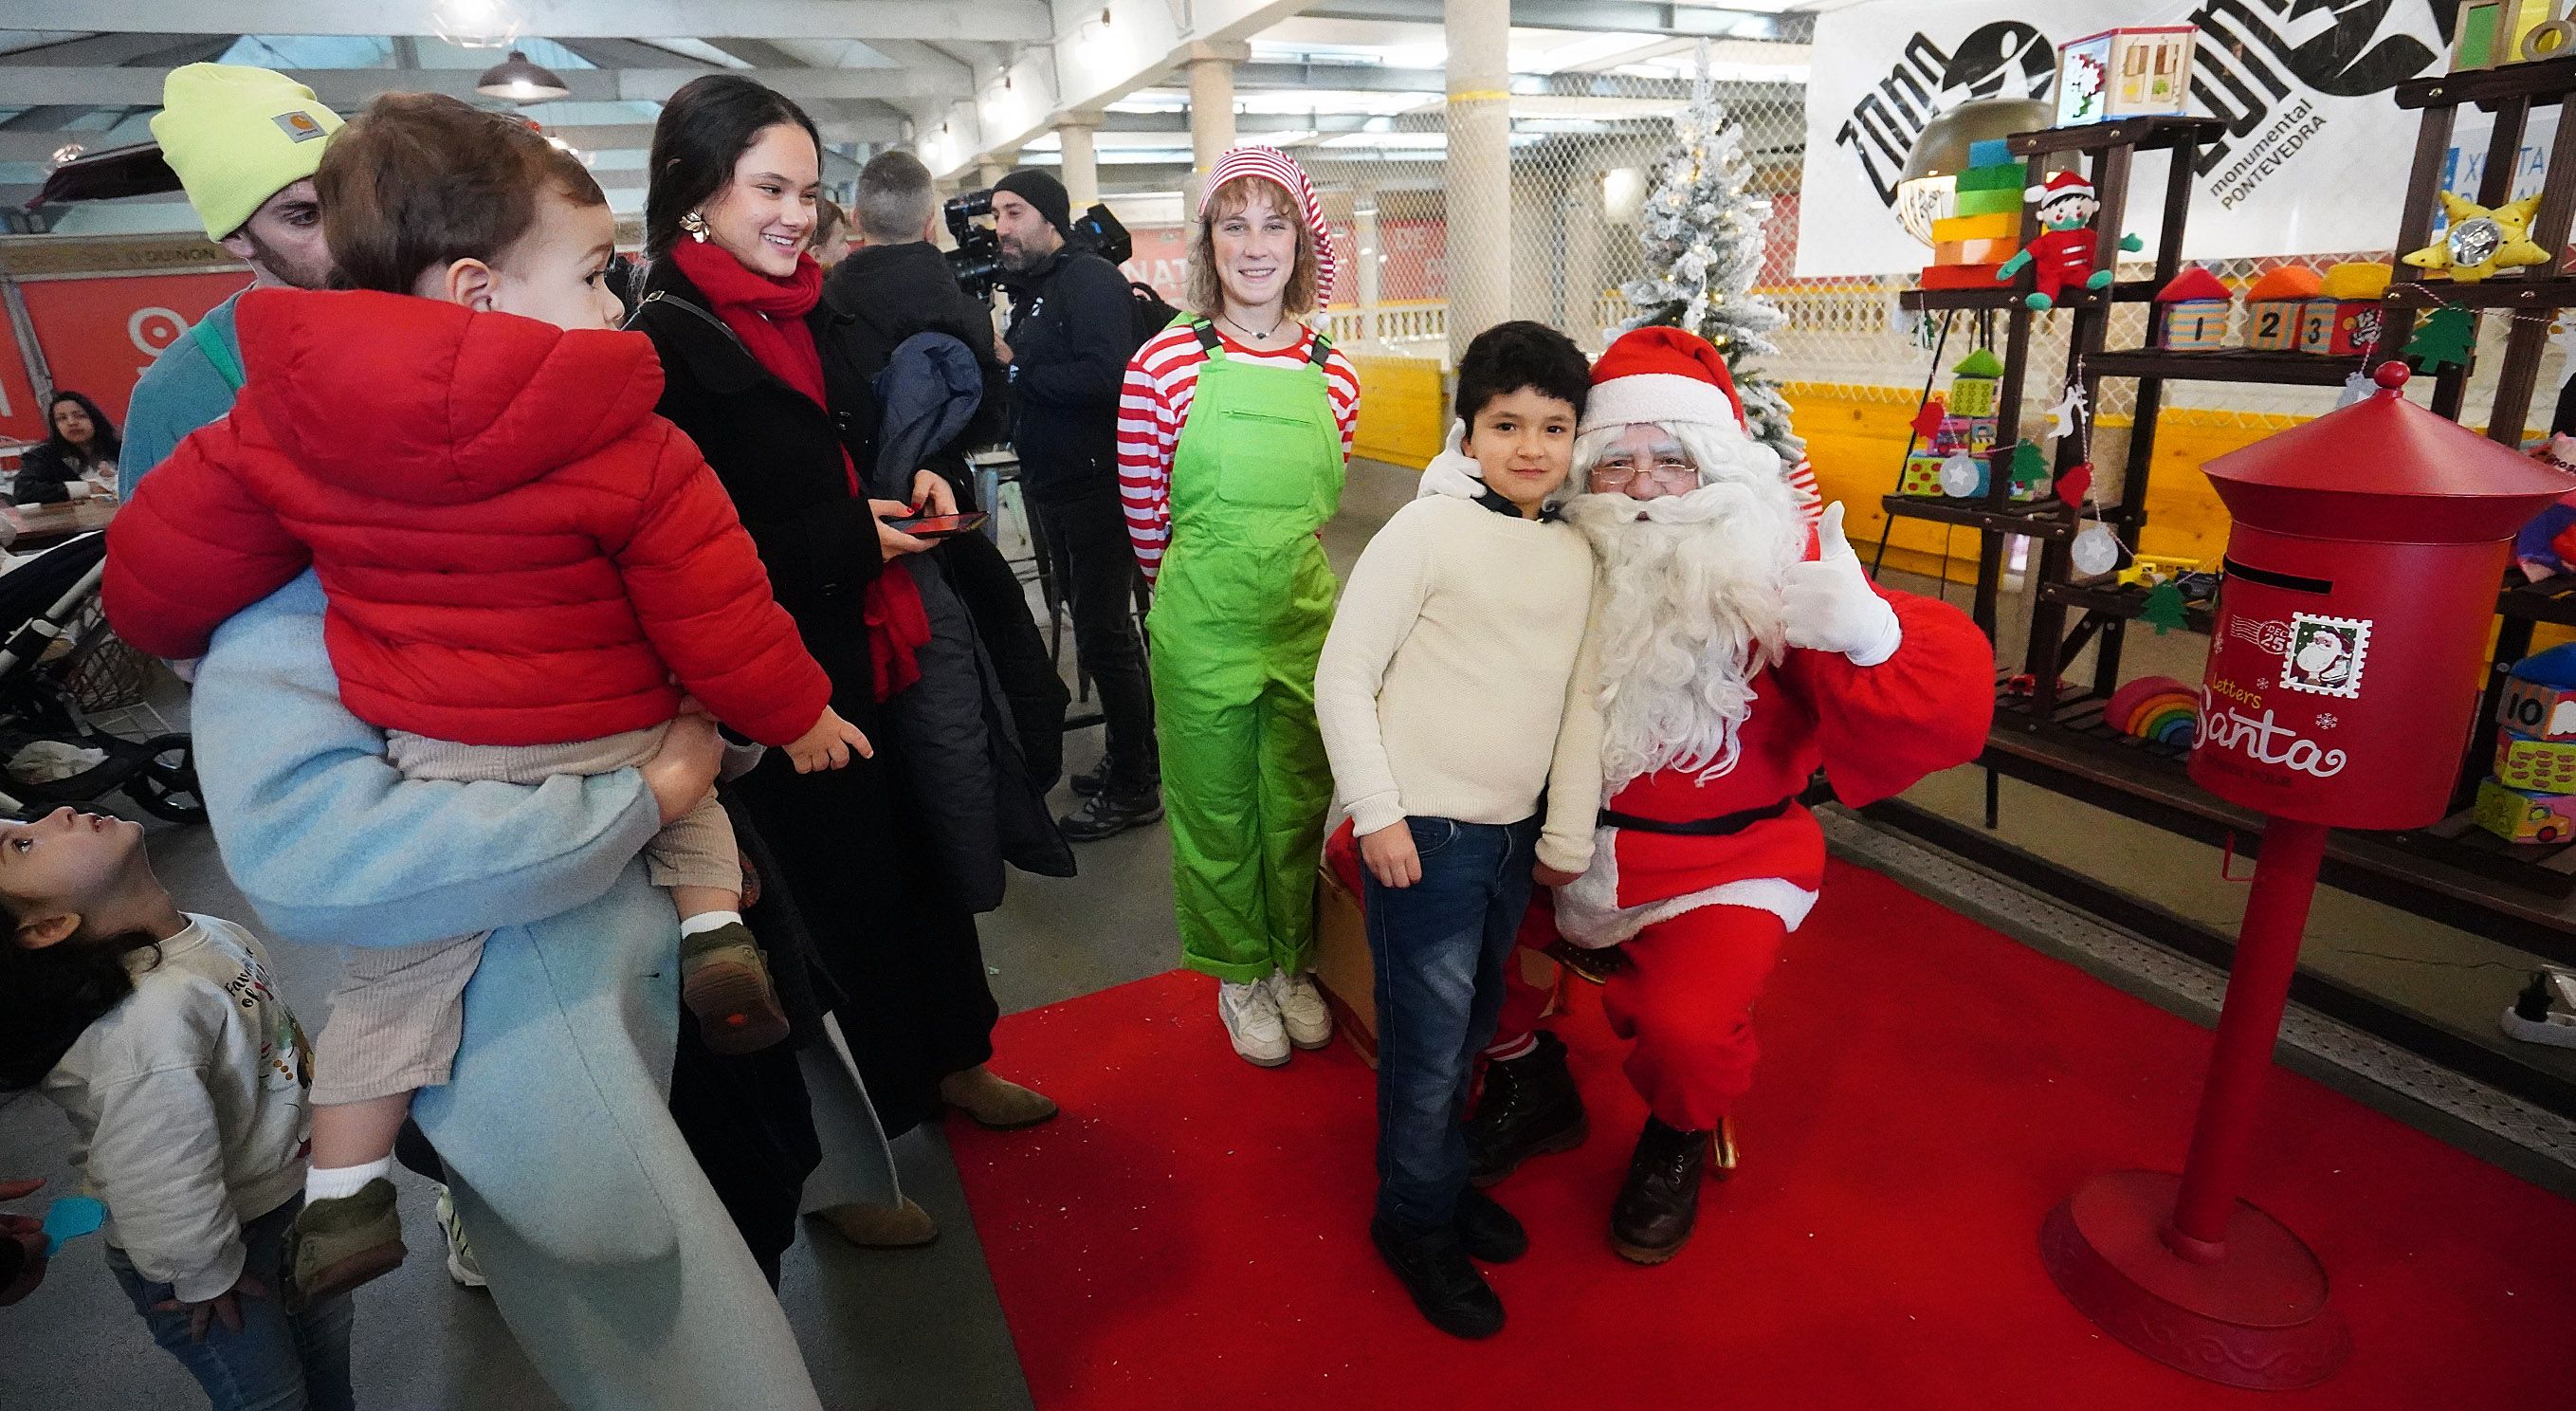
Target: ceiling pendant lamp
[{"x": 521, "y": 81}]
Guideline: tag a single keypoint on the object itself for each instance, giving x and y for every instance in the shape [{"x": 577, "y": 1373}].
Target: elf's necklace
[{"x": 1257, "y": 337}]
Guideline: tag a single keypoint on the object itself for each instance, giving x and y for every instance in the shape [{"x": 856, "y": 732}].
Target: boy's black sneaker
[
  {"x": 1660, "y": 1201},
  {"x": 1530, "y": 1108},
  {"x": 1092, "y": 782},
  {"x": 1486, "y": 1230},
  {"x": 1107, "y": 815},
  {"x": 1445, "y": 1285}
]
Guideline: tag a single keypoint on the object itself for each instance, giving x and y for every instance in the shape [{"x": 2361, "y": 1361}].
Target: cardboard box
[
  {"x": 1975, "y": 252},
  {"x": 2002, "y": 176},
  {"x": 1343, "y": 966},
  {"x": 1997, "y": 201}
]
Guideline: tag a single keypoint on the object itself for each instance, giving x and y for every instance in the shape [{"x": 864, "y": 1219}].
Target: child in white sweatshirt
[
  {"x": 184, "y": 1075},
  {"x": 1455, "y": 696}
]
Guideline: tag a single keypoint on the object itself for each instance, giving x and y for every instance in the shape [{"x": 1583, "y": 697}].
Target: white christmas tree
[{"x": 1703, "y": 239}]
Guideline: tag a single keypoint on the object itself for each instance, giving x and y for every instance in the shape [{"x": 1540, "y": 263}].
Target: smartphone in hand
[{"x": 938, "y": 526}]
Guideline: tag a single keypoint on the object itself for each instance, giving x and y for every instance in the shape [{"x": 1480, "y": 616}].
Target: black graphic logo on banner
[{"x": 2246, "y": 71}]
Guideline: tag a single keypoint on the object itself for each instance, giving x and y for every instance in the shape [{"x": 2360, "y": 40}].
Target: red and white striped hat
[{"x": 1281, "y": 170}]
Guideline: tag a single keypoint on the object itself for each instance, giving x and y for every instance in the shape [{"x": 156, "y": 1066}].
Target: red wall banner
[{"x": 99, "y": 334}]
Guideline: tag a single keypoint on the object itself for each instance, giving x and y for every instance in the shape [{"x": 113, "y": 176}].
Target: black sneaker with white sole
[{"x": 1108, "y": 815}]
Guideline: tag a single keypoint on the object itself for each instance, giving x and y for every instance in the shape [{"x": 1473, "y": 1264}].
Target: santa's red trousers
[{"x": 1685, "y": 1000}]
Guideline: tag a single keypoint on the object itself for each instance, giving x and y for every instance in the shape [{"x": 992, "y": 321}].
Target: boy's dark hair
[
  {"x": 49, "y": 997},
  {"x": 1510, "y": 356},
  {"x": 704, "y": 129},
  {"x": 421, "y": 179}
]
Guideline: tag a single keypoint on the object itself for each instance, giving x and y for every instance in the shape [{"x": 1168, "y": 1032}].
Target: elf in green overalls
[{"x": 1251, "y": 414}]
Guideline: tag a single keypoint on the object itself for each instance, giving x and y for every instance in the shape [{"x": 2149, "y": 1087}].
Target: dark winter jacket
[
  {"x": 1072, "y": 331},
  {"x": 884, "y": 294},
  {"x": 926, "y": 394},
  {"x": 44, "y": 474}
]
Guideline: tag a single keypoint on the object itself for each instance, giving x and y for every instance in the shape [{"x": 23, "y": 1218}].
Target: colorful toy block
[
  {"x": 2520, "y": 816},
  {"x": 2535, "y": 766}
]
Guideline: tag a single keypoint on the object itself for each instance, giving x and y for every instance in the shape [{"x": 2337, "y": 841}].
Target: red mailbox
[
  {"x": 2351, "y": 637},
  {"x": 2343, "y": 674}
]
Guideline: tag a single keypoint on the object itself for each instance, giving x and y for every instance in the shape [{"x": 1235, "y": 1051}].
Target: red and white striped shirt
[{"x": 1155, "y": 404}]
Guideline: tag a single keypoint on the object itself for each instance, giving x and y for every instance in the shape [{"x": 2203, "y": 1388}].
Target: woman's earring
[{"x": 696, "y": 226}]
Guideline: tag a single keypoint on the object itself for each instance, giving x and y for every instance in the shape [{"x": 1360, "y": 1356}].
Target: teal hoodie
[{"x": 185, "y": 388}]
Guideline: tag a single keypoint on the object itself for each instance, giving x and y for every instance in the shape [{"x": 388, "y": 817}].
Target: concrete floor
[{"x": 921, "y": 1329}]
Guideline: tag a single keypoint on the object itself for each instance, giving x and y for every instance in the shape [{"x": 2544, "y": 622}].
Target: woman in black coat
[
  {"x": 735, "y": 168},
  {"x": 81, "y": 443}
]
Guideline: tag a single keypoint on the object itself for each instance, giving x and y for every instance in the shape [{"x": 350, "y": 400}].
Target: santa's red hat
[
  {"x": 1662, "y": 375},
  {"x": 2061, "y": 184}
]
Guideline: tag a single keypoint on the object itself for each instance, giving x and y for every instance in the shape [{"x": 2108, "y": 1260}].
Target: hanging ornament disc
[
  {"x": 2096, "y": 550},
  {"x": 1960, "y": 474},
  {"x": 2475, "y": 241}
]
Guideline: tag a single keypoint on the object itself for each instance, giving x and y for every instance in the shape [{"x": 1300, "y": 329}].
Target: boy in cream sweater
[{"x": 1455, "y": 696}]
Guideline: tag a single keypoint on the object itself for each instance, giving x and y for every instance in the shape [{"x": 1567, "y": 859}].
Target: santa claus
[{"x": 1740, "y": 650}]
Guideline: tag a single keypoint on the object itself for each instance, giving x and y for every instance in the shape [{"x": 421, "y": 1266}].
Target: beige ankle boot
[
  {"x": 995, "y": 1101},
  {"x": 903, "y": 1226}
]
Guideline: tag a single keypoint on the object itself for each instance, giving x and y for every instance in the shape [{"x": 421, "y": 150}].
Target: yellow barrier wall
[{"x": 1404, "y": 411}]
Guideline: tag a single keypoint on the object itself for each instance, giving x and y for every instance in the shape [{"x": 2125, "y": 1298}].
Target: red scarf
[{"x": 768, "y": 315}]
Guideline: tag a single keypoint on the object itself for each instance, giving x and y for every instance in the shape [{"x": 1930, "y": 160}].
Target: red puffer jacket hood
[
  {"x": 427, "y": 402},
  {"x": 515, "y": 549}
]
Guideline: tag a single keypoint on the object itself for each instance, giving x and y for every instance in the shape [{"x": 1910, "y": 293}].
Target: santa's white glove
[
  {"x": 1453, "y": 471},
  {"x": 1828, "y": 605}
]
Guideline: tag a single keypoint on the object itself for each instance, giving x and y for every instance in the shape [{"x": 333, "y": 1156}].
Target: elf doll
[{"x": 2062, "y": 253}]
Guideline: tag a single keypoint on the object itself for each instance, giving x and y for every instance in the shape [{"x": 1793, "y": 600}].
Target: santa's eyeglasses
[{"x": 1617, "y": 475}]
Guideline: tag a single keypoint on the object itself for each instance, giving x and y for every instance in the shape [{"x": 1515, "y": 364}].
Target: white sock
[
  {"x": 708, "y": 921},
  {"x": 333, "y": 1182}
]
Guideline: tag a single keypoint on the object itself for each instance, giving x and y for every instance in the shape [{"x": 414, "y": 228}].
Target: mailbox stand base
[{"x": 2257, "y": 1317}]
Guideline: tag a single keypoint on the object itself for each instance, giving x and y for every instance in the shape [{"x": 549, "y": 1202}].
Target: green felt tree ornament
[
  {"x": 2029, "y": 467},
  {"x": 2443, "y": 339},
  {"x": 2163, "y": 608}
]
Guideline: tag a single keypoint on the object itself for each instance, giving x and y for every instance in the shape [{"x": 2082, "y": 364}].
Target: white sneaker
[
  {"x": 461, "y": 1264},
  {"x": 1301, "y": 1009},
  {"x": 1252, "y": 1020}
]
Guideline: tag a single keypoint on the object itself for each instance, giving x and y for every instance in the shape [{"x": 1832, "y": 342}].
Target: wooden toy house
[
  {"x": 2195, "y": 308},
  {"x": 2489, "y": 33},
  {"x": 2274, "y": 305},
  {"x": 2125, "y": 73},
  {"x": 2344, "y": 317}
]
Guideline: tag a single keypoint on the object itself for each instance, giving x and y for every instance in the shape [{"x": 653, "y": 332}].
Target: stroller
[{"x": 59, "y": 665}]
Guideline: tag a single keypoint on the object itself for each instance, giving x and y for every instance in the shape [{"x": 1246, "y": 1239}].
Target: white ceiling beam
[
  {"x": 1002, "y": 21},
  {"x": 348, "y": 89}
]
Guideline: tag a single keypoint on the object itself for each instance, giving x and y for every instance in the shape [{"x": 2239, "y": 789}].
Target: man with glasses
[{"x": 1741, "y": 648}]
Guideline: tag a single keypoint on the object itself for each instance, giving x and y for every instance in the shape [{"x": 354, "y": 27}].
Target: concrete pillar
[
  {"x": 1081, "y": 160},
  {"x": 1366, "y": 253},
  {"x": 1211, "y": 69},
  {"x": 1479, "y": 167}
]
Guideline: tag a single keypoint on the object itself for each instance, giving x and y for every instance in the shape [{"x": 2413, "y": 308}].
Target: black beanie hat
[{"x": 1045, "y": 193}]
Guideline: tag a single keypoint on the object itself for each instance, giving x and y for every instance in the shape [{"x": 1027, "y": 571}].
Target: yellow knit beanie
[{"x": 237, "y": 136}]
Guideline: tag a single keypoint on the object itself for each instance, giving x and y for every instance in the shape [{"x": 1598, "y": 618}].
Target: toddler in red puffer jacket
[{"x": 519, "y": 557}]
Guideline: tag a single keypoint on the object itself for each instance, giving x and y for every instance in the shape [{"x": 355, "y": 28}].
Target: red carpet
[{"x": 1191, "y": 1234}]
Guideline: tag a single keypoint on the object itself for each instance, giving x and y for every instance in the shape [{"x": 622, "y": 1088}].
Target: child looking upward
[
  {"x": 1452, "y": 703},
  {"x": 530, "y": 574}
]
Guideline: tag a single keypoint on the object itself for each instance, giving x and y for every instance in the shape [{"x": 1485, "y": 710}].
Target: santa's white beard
[{"x": 1692, "y": 613}]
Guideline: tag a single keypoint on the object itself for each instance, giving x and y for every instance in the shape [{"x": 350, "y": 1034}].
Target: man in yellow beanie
[{"x": 245, "y": 143}]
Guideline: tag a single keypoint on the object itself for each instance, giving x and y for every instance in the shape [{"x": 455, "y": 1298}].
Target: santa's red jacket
[
  {"x": 516, "y": 550},
  {"x": 1874, "y": 729}
]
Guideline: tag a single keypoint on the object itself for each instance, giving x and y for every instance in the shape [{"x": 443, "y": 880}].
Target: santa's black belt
[{"x": 1718, "y": 827}]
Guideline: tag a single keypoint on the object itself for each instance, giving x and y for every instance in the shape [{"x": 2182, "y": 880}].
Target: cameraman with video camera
[{"x": 1071, "y": 334}]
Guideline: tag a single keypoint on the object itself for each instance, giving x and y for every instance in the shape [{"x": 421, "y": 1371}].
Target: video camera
[{"x": 976, "y": 263}]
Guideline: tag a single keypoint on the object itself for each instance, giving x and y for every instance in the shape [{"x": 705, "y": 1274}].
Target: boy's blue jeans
[
  {"x": 279, "y": 1361},
  {"x": 1440, "y": 946}
]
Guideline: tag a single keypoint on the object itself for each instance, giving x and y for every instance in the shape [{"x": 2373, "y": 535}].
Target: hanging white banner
[{"x": 2313, "y": 162}]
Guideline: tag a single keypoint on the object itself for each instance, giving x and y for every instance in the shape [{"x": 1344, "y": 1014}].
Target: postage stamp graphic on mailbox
[{"x": 2326, "y": 654}]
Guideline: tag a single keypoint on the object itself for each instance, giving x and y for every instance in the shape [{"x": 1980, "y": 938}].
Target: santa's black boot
[
  {"x": 1660, "y": 1202},
  {"x": 1530, "y": 1108}
]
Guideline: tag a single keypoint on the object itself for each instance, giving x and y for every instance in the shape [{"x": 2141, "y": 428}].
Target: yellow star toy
[{"x": 2480, "y": 241}]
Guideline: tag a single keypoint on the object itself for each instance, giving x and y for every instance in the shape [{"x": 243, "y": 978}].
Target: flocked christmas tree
[{"x": 1703, "y": 239}]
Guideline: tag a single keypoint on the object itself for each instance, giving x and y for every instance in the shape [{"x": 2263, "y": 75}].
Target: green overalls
[{"x": 1239, "y": 615}]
